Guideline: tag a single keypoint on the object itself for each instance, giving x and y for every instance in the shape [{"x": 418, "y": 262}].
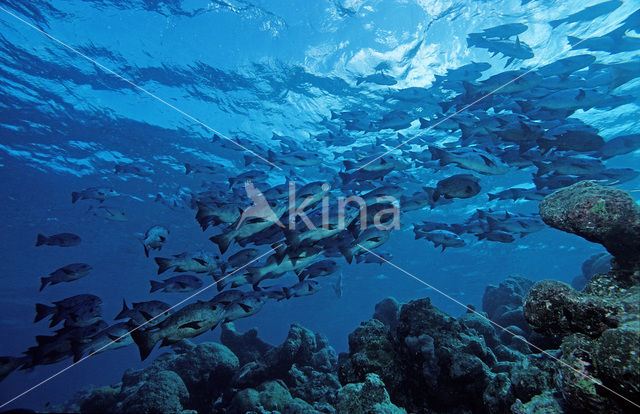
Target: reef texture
[
  {"x": 535, "y": 348},
  {"x": 600, "y": 326},
  {"x": 604, "y": 215}
]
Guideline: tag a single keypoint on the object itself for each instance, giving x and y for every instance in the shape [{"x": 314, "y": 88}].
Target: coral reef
[
  {"x": 600, "y": 326},
  {"x": 604, "y": 215}
]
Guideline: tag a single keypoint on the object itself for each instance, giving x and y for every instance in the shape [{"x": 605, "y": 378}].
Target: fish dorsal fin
[
  {"x": 581, "y": 95},
  {"x": 518, "y": 42}
]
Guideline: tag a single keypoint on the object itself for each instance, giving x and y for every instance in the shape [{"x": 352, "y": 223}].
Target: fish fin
[
  {"x": 146, "y": 248},
  {"x": 244, "y": 307},
  {"x": 555, "y": 23},
  {"x": 492, "y": 196},
  {"x": 443, "y": 247},
  {"x": 163, "y": 264},
  {"x": 123, "y": 312},
  {"x": 222, "y": 240},
  {"x": 192, "y": 325},
  {"x": 346, "y": 178},
  {"x": 423, "y": 123},
  {"x": 292, "y": 237},
  {"x": 155, "y": 285},
  {"x": 41, "y": 239},
  {"x": 349, "y": 165},
  {"x": 360, "y": 258},
  {"x": 146, "y": 315},
  {"x": 75, "y": 196},
  {"x": 42, "y": 311},
  {"x": 116, "y": 338},
  {"x": 200, "y": 261},
  {"x": 347, "y": 253},
  {"x": 248, "y": 160},
  {"x": 287, "y": 292},
  {"x": 146, "y": 341},
  {"x": 44, "y": 281}
]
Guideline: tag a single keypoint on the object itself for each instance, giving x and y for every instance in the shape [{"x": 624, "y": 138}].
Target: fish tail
[
  {"x": 146, "y": 341},
  {"x": 41, "y": 239},
  {"x": 347, "y": 253},
  {"x": 423, "y": 123},
  {"x": 124, "y": 311},
  {"x": 346, "y": 178},
  {"x": 75, "y": 196},
  {"x": 42, "y": 311},
  {"x": 492, "y": 196},
  {"x": 163, "y": 264},
  {"x": 8, "y": 365},
  {"x": 44, "y": 281},
  {"x": 222, "y": 240},
  {"x": 349, "y": 165},
  {"x": 155, "y": 285},
  {"x": 248, "y": 160}
]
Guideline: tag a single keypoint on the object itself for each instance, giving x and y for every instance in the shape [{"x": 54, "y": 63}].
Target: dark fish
[
  {"x": 620, "y": 145},
  {"x": 68, "y": 273},
  {"x": 444, "y": 238},
  {"x": 79, "y": 310},
  {"x": 61, "y": 240},
  {"x": 177, "y": 284},
  {"x": 142, "y": 312},
  {"x": 197, "y": 262},
  {"x": 154, "y": 238},
  {"x": 318, "y": 269},
  {"x": 140, "y": 170},
  {"x": 188, "y": 322},
  {"x": 457, "y": 186},
  {"x": 94, "y": 193},
  {"x": 497, "y": 236}
]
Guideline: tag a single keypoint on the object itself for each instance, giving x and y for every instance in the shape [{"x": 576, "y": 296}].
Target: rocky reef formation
[
  {"x": 600, "y": 326},
  {"x": 432, "y": 359},
  {"x": 604, "y": 215}
]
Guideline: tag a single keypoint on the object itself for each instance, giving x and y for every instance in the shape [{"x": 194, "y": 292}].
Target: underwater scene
[{"x": 330, "y": 206}]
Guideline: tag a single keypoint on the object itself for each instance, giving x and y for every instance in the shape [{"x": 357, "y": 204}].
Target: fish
[
  {"x": 457, "y": 186},
  {"x": 68, "y": 273},
  {"x": 380, "y": 258},
  {"x": 378, "y": 79},
  {"x": 251, "y": 175},
  {"x": 588, "y": 13},
  {"x": 471, "y": 159},
  {"x": 242, "y": 257},
  {"x": 76, "y": 311},
  {"x": 338, "y": 286},
  {"x": 517, "y": 193},
  {"x": 141, "y": 170},
  {"x": 571, "y": 165},
  {"x": 187, "y": 322},
  {"x": 177, "y": 284},
  {"x": 318, "y": 269},
  {"x": 305, "y": 288},
  {"x": 196, "y": 262},
  {"x": 497, "y": 236},
  {"x": 620, "y": 145},
  {"x": 248, "y": 305},
  {"x": 9, "y": 364},
  {"x": 94, "y": 193},
  {"x": 214, "y": 214},
  {"x": 143, "y": 312},
  {"x": 444, "y": 239},
  {"x": 60, "y": 240},
  {"x": 113, "y": 337},
  {"x": 265, "y": 217},
  {"x": 290, "y": 158},
  {"x": 505, "y": 31},
  {"x": 395, "y": 120},
  {"x": 110, "y": 213},
  {"x": 154, "y": 238},
  {"x": 368, "y": 239}
]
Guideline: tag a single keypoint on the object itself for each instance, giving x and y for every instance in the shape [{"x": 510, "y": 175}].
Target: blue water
[{"x": 245, "y": 69}]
